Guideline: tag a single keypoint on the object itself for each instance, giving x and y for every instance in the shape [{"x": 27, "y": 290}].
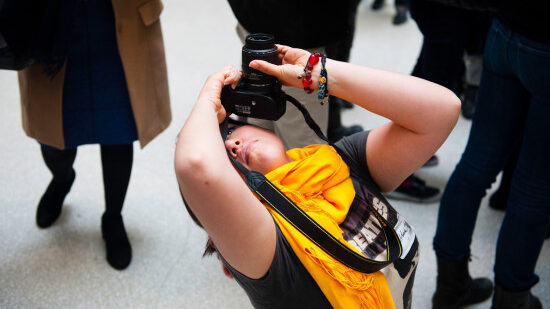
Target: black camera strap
[
  {"x": 307, "y": 117},
  {"x": 285, "y": 207}
]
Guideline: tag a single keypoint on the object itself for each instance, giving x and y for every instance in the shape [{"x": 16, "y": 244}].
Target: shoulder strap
[{"x": 285, "y": 207}]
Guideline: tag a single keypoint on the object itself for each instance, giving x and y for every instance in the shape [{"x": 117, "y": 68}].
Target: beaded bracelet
[
  {"x": 306, "y": 81},
  {"x": 322, "y": 94}
]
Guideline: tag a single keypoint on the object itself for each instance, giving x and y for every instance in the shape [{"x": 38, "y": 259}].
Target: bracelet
[
  {"x": 306, "y": 81},
  {"x": 322, "y": 94}
]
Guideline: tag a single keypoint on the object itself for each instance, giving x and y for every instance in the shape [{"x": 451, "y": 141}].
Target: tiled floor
[{"x": 64, "y": 266}]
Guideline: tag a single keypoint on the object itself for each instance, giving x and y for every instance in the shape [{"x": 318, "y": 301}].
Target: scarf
[{"x": 318, "y": 182}]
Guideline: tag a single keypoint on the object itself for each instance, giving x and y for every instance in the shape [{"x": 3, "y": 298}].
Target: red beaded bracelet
[{"x": 306, "y": 81}]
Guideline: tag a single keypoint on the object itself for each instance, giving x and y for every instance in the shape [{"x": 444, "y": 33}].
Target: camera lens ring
[{"x": 258, "y": 46}]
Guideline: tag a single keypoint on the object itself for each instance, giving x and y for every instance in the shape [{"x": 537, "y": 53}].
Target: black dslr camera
[{"x": 258, "y": 95}]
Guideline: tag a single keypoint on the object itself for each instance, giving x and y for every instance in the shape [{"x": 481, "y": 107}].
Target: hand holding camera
[
  {"x": 265, "y": 66},
  {"x": 292, "y": 62}
]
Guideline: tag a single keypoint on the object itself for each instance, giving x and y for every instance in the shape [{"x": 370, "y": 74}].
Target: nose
[{"x": 233, "y": 145}]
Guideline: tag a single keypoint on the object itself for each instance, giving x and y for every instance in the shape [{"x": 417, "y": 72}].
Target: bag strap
[{"x": 300, "y": 220}]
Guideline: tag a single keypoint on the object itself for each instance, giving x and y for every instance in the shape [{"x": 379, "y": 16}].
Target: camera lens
[{"x": 258, "y": 46}]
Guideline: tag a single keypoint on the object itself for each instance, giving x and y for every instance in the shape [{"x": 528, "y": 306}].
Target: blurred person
[
  {"x": 513, "y": 106},
  {"x": 111, "y": 90},
  {"x": 449, "y": 33},
  {"x": 274, "y": 263},
  {"x": 401, "y": 10},
  {"x": 265, "y": 17}
]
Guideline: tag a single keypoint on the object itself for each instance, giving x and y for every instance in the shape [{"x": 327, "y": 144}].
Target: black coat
[{"x": 298, "y": 23}]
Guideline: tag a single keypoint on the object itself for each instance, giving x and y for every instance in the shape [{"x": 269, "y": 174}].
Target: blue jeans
[{"x": 513, "y": 108}]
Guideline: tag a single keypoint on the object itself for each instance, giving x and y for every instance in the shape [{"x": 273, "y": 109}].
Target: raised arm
[
  {"x": 422, "y": 113},
  {"x": 240, "y": 227}
]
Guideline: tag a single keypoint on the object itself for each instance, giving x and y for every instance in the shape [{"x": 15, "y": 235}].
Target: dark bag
[
  {"x": 15, "y": 30},
  {"x": 36, "y": 31}
]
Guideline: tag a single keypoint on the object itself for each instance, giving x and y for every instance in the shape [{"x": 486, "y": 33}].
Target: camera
[{"x": 258, "y": 95}]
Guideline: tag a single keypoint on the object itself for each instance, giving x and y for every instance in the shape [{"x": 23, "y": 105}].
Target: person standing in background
[
  {"x": 300, "y": 17},
  {"x": 111, "y": 90},
  {"x": 513, "y": 106}
]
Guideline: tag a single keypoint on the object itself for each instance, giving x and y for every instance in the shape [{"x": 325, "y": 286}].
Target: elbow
[
  {"x": 450, "y": 112},
  {"x": 190, "y": 168},
  {"x": 454, "y": 106},
  {"x": 454, "y": 109}
]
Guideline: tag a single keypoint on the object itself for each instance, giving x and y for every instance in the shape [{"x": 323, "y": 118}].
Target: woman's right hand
[
  {"x": 292, "y": 63},
  {"x": 213, "y": 85}
]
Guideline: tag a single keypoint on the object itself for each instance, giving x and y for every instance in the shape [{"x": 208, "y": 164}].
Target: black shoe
[
  {"x": 455, "y": 288},
  {"x": 49, "y": 207},
  {"x": 377, "y": 5},
  {"x": 415, "y": 189},
  {"x": 514, "y": 300},
  {"x": 432, "y": 161},
  {"x": 334, "y": 134},
  {"x": 400, "y": 16},
  {"x": 469, "y": 101},
  {"x": 119, "y": 251}
]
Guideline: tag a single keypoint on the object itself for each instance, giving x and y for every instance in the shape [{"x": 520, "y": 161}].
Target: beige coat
[{"x": 141, "y": 49}]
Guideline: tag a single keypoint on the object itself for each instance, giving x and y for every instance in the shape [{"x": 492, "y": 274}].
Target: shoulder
[{"x": 354, "y": 148}]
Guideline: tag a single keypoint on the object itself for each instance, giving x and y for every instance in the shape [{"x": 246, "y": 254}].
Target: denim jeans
[{"x": 513, "y": 108}]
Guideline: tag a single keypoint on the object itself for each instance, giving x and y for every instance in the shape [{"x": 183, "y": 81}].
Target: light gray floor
[{"x": 64, "y": 266}]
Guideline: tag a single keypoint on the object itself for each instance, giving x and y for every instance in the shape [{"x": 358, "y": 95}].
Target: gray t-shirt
[{"x": 287, "y": 283}]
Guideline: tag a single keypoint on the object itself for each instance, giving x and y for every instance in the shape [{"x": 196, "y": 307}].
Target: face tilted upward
[{"x": 256, "y": 148}]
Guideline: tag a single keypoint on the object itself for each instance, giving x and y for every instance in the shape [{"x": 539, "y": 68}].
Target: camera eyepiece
[{"x": 258, "y": 46}]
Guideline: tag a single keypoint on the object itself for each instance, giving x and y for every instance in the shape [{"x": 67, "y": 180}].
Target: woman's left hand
[{"x": 212, "y": 88}]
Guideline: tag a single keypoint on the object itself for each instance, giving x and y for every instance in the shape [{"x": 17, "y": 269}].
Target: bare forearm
[{"x": 415, "y": 104}]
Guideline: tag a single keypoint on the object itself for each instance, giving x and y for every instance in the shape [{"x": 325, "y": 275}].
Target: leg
[
  {"x": 377, "y": 5},
  {"x": 528, "y": 214},
  {"x": 444, "y": 32},
  {"x": 60, "y": 164},
  {"x": 341, "y": 51},
  {"x": 117, "y": 165},
  {"x": 401, "y": 10},
  {"x": 527, "y": 218},
  {"x": 496, "y": 128}
]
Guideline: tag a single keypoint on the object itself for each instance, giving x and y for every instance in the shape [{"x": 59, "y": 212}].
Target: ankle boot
[
  {"x": 455, "y": 287},
  {"x": 49, "y": 207},
  {"x": 503, "y": 299},
  {"x": 119, "y": 251}
]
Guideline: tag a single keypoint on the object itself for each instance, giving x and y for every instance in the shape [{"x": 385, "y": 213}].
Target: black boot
[
  {"x": 119, "y": 251},
  {"x": 503, "y": 299},
  {"x": 60, "y": 163},
  {"x": 116, "y": 162},
  {"x": 455, "y": 287}
]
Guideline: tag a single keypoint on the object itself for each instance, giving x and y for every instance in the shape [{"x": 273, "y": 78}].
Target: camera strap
[{"x": 285, "y": 207}]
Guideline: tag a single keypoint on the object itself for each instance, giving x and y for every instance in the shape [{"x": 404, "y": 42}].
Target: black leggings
[{"x": 116, "y": 162}]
